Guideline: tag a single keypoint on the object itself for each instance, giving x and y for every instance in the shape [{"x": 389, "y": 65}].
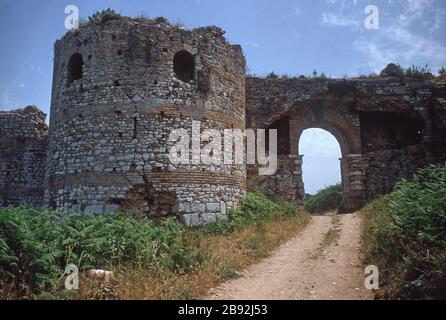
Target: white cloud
[
  {"x": 403, "y": 41},
  {"x": 321, "y": 153},
  {"x": 331, "y": 19}
]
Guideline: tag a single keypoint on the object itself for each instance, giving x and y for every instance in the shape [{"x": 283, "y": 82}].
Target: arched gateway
[{"x": 382, "y": 136}]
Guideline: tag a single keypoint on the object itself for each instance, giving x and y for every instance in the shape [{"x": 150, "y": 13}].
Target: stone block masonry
[
  {"x": 23, "y": 148},
  {"x": 386, "y": 128},
  {"x": 119, "y": 89},
  {"x": 121, "y": 86}
]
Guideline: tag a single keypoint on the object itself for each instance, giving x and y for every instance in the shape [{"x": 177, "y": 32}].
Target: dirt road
[{"x": 322, "y": 262}]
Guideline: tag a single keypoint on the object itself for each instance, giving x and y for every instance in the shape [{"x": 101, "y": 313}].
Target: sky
[
  {"x": 321, "y": 166},
  {"x": 285, "y": 36}
]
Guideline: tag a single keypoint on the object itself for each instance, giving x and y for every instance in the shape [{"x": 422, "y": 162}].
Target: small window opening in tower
[
  {"x": 75, "y": 68},
  {"x": 184, "y": 66}
]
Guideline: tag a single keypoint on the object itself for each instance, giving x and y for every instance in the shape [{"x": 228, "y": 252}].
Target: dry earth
[{"x": 322, "y": 262}]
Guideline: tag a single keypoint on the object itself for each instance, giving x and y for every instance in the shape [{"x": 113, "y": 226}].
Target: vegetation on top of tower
[
  {"x": 396, "y": 70},
  {"x": 104, "y": 16}
]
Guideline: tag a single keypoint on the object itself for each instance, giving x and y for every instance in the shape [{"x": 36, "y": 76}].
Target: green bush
[
  {"x": 418, "y": 72},
  {"x": 272, "y": 75},
  {"x": 255, "y": 209},
  {"x": 406, "y": 236},
  {"x": 393, "y": 70},
  {"x": 37, "y": 245},
  {"x": 104, "y": 16},
  {"x": 396, "y": 70},
  {"x": 327, "y": 199}
]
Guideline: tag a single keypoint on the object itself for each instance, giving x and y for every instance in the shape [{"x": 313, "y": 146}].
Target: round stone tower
[{"x": 119, "y": 89}]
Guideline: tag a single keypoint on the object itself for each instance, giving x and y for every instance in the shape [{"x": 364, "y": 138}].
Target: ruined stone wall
[
  {"x": 386, "y": 128},
  {"x": 438, "y": 103},
  {"x": 23, "y": 147},
  {"x": 286, "y": 184},
  {"x": 109, "y": 129},
  {"x": 121, "y": 86}
]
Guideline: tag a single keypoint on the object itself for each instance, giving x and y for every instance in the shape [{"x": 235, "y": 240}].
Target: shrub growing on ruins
[
  {"x": 418, "y": 72},
  {"x": 404, "y": 235},
  {"x": 393, "y": 70},
  {"x": 396, "y": 70},
  {"x": 272, "y": 75},
  {"x": 327, "y": 199},
  {"x": 104, "y": 16},
  {"x": 255, "y": 209}
]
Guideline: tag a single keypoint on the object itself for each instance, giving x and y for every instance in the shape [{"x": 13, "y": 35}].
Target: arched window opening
[
  {"x": 184, "y": 66},
  {"x": 75, "y": 68},
  {"x": 321, "y": 166}
]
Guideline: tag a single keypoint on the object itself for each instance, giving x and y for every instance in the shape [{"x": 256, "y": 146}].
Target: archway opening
[
  {"x": 184, "y": 66},
  {"x": 321, "y": 160},
  {"x": 75, "y": 68}
]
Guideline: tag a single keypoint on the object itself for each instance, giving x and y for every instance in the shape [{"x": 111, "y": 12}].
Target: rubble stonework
[
  {"x": 386, "y": 128},
  {"x": 109, "y": 137},
  {"x": 120, "y": 87},
  {"x": 23, "y": 147}
]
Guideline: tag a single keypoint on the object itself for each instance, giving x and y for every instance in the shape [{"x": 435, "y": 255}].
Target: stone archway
[
  {"x": 332, "y": 116},
  {"x": 387, "y": 129},
  {"x": 321, "y": 155}
]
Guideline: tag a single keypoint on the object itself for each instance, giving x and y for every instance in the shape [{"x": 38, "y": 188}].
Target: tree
[
  {"x": 272, "y": 75},
  {"x": 392, "y": 70}
]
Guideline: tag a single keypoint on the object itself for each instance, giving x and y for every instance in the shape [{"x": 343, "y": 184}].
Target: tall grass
[
  {"x": 149, "y": 258},
  {"x": 36, "y": 245},
  {"x": 405, "y": 235}
]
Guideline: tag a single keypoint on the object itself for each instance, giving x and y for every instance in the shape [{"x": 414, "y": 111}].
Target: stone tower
[{"x": 119, "y": 88}]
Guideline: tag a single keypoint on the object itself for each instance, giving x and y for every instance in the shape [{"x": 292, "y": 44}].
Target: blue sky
[
  {"x": 286, "y": 36},
  {"x": 321, "y": 166}
]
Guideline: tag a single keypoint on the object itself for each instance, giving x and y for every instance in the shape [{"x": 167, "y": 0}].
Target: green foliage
[
  {"x": 255, "y": 209},
  {"x": 393, "y": 70},
  {"x": 406, "y": 234},
  {"x": 161, "y": 20},
  {"x": 37, "y": 245},
  {"x": 442, "y": 71},
  {"x": 396, "y": 70},
  {"x": 327, "y": 199},
  {"x": 104, "y": 16},
  {"x": 418, "y": 72},
  {"x": 272, "y": 75}
]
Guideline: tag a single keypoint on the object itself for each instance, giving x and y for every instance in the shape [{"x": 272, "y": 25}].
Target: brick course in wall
[
  {"x": 121, "y": 86},
  {"x": 109, "y": 139}
]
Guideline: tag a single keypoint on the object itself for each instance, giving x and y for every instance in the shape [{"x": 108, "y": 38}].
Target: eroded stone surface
[{"x": 121, "y": 86}]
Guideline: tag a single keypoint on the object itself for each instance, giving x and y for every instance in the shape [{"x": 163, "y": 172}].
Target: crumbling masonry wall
[
  {"x": 23, "y": 146},
  {"x": 110, "y": 122},
  {"x": 121, "y": 86},
  {"x": 386, "y": 128}
]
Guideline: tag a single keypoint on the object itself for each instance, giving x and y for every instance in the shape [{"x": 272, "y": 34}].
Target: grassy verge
[
  {"x": 404, "y": 234},
  {"x": 150, "y": 261}
]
